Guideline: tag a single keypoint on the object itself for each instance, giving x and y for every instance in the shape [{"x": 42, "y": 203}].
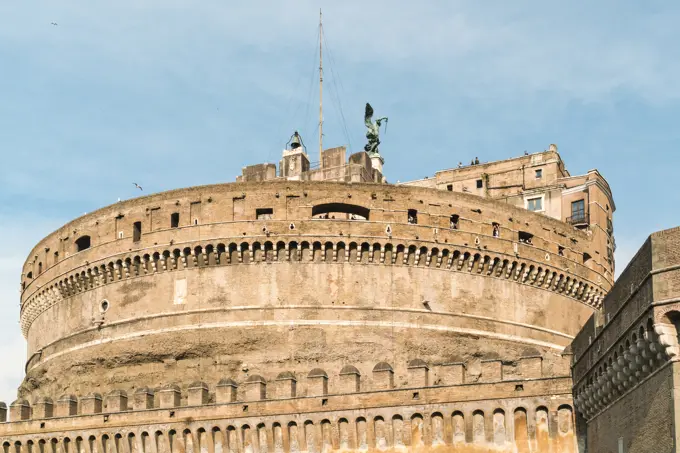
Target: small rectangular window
[
  {"x": 449, "y": 187},
  {"x": 56, "y": 257},
  {"x": 121, "y": 235},
  {"x": 496, "y": 230},
  {"x": 535, "y": 204},
  {"x": 480, "y": 183},
  {"x": 525, "y": 238},
  {"x": 539, "y": 174},
  {"x": 454, "y": 221},
  {"x": 412, "y": 216},
  {"x": 137, "y": 231},
  {"x": 264, "y": 213},
  {"x": 174, "y": 220},
  {"x": 578, "y": 208}
]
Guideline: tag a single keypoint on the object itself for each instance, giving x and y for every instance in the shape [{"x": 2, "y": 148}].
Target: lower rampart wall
[{"x": 450, "y": 418}]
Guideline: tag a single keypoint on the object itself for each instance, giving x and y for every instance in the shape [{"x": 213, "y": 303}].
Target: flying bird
[
  {"x": 137, "y": 186},
  {"x": 54, "y": 23}
]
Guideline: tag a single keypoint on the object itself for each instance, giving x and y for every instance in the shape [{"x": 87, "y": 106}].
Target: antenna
[{"x": 320, "y": 92}]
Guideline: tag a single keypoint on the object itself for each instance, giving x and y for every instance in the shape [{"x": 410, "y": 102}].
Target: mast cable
[
  {"x": 320, "y": 87},
  {"x": 337, "y": 92}
]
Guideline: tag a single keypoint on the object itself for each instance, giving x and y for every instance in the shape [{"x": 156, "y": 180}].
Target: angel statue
[{"x": 373, "y": 131}]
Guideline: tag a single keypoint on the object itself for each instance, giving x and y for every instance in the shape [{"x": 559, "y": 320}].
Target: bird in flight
[
  {"x": 137, "y": 185},
  {"x": 54, "y": 23}
]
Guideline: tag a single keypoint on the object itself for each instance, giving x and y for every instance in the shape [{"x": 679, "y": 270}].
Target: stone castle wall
[
  {"x": 625, "y": 367},
  {"x": 260, "y": 415},
  {"x": 471, "y": 299}
]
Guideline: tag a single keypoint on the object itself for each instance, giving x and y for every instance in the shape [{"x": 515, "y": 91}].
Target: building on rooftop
[
  {"x": 540, "y": 182},
  {"x": 334, "y": 166}
]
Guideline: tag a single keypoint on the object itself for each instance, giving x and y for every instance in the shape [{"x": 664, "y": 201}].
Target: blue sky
[{"x": 175, "y": 93}]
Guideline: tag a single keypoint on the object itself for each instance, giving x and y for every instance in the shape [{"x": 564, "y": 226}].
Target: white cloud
[{"x": 485, "y": 49}]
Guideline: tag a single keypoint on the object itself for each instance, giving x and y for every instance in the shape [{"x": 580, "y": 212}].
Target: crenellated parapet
[
  {"x": 285, "y": 385},
  {"x": 269, "y": 415}
]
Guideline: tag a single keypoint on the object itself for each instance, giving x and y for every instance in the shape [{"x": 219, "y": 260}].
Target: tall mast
[{"x": 320, "y": 92}]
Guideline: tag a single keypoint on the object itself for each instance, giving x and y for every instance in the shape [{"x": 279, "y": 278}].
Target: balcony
[{"x": 579, "y": 219}]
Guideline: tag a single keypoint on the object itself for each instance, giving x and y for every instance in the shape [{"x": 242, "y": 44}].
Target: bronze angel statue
[{"x": 372, "y": 131}]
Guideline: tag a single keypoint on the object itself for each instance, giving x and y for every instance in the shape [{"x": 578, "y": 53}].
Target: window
[
  {"x": 496, "y": 230},
  {"x": 340, "y": 211},
  {"x": 586, "y": 258},
  {"x": 539, "y": 173},
  {"x": 412, "y": 216},
  {"x": 560, "y": 250},
  {"x": 137, "y": 231},
  {"x": 454, "y": 221},
  {"x": 480, "y": 183},
  {"x": 578, "y": 208},
  {"x": 264, "y": 213},
  {"x": 56, "y": 257},
  {"x": 525, "y": 238},
  {"x": 174, "y": 220},
  {"x": 29, "y": 275},
  {"x": 535, "y": 204},
  {"x": 82, "y": 243},
  {"x": 121, "y": 235},
  {"x": 449, "y": 187},
  {"x": 39, "y": 268}
]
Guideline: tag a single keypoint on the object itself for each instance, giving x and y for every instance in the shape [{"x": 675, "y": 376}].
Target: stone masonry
[{"x": 310, "y": 309}]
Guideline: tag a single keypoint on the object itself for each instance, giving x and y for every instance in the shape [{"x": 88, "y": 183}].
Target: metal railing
[{"x": 579, "y": 218}]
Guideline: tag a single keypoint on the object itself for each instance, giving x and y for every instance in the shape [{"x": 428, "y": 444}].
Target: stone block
[
  {"x": 198, "y": 394},
  {"x": 19, "y": 410},
  {"x": 169, "y": 397},
  {"x": 286, "y": 385},
  {"x": 531, "y": 367},
  {"x": 226, "y": 391},
  {"x": 143, "y": 399},
  {"x": 3, "y": 412},
  {"x": 418, "y": 373},
  {"x": 43, "y": 408},
  {"x": 317, "y": 382},
  {"x": 67, "y": 406},
  {"x": 383, "y": 376},
  {"x": 453, "y": 373},
  {"x": 492, "y": 371},
  {"x": 91, "y": 404},
  {"x": 256, "y": 388},
  {"x": 350, "y": 379},
  {"x": 117, "y": 401}
]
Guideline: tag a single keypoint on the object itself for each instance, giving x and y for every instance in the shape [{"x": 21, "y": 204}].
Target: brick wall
[{"x": 643, "y": 418}]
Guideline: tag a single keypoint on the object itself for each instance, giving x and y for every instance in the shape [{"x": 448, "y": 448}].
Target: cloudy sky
[{"x": 176, "y": 93}]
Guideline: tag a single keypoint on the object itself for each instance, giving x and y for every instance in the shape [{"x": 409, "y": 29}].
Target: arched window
[
  {"x": 340, "y": 211},
  {"x": 83, "y": 243}
]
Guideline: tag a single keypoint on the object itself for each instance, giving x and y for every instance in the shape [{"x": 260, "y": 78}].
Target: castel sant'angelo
[{"x": 318, "y": 308}]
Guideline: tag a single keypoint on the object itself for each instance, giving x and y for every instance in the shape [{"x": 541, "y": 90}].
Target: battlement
[
  {"x": 285, "y": 385},
  {"x": 334, "y": 166},
  {"x": 283, "y": 414}
]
